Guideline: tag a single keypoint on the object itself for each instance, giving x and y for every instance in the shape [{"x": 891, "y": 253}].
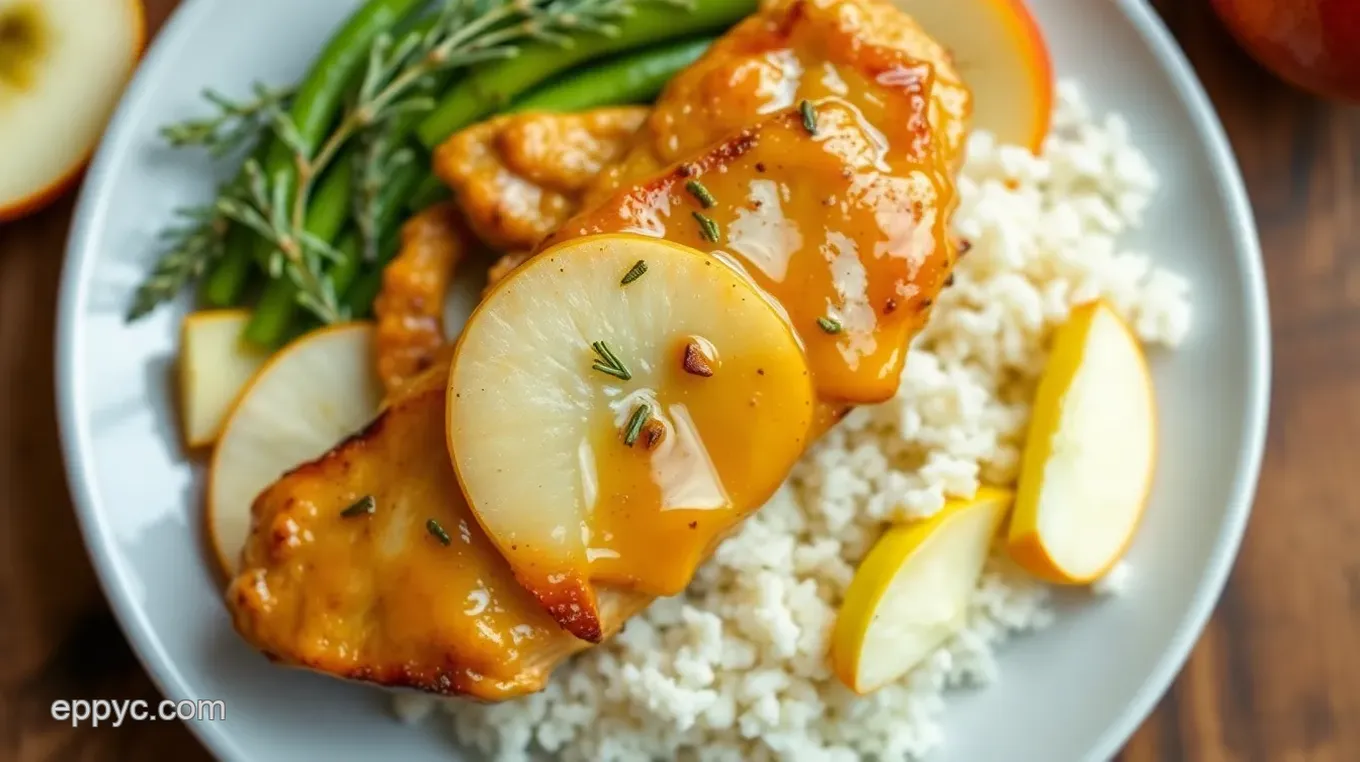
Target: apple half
[{"x": 63, "y": 64}]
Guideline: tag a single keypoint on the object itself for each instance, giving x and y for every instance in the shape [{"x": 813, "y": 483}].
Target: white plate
[{"x": 1075, "y": 692}]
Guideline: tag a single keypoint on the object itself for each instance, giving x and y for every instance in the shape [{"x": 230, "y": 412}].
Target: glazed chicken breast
[{"x": 812, "y": 148}]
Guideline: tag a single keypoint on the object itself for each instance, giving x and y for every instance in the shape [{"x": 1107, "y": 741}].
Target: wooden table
[{"x": 1276, "y": 677}]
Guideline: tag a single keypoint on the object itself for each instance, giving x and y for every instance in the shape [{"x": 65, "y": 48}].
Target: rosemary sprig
[
  {"x": 397, "y": 82},
  {"x": 639, "y": 418},
  {"x": 235, "y": 123},
  {"x": 374, "y": 162},
  {"x": 609, "y": 362},
  {"x": 262, "y": 207},
  {"x": 190, "y": 249},
  {"x": 638, "y": 269}
]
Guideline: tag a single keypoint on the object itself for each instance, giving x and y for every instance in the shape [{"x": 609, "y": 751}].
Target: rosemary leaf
[
  {"x": 235, "y": 124},
  {"x": 635, "y": 423},
  {"x": 700, "y": 192},
  {"x": 809, "y": 117},
  {"x": 638, "y": 269},
  {"x": 190, "y": 249},
  {"x": 364, "y": 506},
  {"x": 609, "y": 362},
  {"x": 708, "y": 229},
  {"x": 437, "y": 532}
]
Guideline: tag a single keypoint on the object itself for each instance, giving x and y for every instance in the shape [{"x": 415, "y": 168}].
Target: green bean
[
  {"x": 277, "y": 314},
  {"x": 269, "y": 324},
  {"x": 429, "y": 192},
  {"x": 631, "y": 78},
  {"x": 321, "y": 94},
  {"x": 391, "y": 205},
  {"x": 313, "y": 111},
  {"x": 226, "y": 281},
  {"x": 493, "y": 85},
  {"x": 365, "y": 278},
  {"x": 359, "y": 300}
]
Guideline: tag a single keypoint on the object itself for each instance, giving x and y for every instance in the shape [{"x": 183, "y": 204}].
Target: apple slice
[
  {"x": 613, "y": 432},
  {"x": 63, "y": 64},
  {"x": 1001, "y": 55},
  {"x": 215, "y": 364},
  {"x": 911, "y": 592},
  {"x": 304, "y": 401},
  {"x": 1087, "y": 466}
]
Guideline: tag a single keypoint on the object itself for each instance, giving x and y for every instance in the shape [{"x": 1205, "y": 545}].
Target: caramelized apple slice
[{"x": 616, "y": 406}]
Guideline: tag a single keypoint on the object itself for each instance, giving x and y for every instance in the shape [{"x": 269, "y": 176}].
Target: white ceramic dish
[{"x": 1075, "y": 692}]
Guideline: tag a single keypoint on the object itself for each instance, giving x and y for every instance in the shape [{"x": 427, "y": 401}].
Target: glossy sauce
[
  {"x": 839, "y": 229},
  {"x": 849, "y": 224},
  {"x": 659, "y": 510}
]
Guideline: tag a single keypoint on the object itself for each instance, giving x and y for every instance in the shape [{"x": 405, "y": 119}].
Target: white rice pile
[{"x": 736, "y": 668}]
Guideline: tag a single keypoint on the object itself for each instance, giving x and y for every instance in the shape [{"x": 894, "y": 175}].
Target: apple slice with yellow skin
[
  {"x": 1000, "y": 52},
  {"x": 911, "y": 592},
  {"x": 1088, "y": 460},
  {"x": 626, "y": 474},
  {"x": 63, "y": 64},
  {"x": 215, "y": 364},
  {"x": 302, "y": 402}
]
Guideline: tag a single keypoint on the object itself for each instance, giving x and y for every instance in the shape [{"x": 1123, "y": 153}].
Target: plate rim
[{"x": 77, "y": 453}]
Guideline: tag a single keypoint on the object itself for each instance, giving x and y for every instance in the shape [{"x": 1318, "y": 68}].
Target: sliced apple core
[
  {"x": 1088, "y": 461},
  {"x": 62, "y": 68},
  {"x": 304, "y": 401},
  {"x": 610, "y": 432}
]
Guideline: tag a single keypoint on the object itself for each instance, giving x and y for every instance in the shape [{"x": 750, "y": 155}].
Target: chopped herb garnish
[
  {"x": 809, "y": 117},
  {"x": 707, "y": 227},
  {"x": 609, "y": 362},
  {"x": 438, "y": 531},
  {"x": 635, "y": 423},
  {"x": 830, "y": 325},
  {"x": 698, "y": 190},
  {"x": 365, "y": 505},
  {"x": 636, "y": 271}
]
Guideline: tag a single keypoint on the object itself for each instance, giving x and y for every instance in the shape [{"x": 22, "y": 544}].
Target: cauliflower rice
[{"x": 736, "y": 668}]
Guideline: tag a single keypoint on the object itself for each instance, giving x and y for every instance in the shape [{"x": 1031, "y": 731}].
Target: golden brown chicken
[
  {"x": 367, "y": 564},
  {"x": 518, "y": 177},
  {"x": 837, "y": 208},
  {"x": 410, "y": 308}
]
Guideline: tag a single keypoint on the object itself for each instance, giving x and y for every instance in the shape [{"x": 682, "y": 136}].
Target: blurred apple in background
[
  {"x": 63, "y": 64},
  {"x": 1314, "y": 44}
]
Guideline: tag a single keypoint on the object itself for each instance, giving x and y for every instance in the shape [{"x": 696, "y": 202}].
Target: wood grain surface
[{"x": 1275, "y": 678}]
